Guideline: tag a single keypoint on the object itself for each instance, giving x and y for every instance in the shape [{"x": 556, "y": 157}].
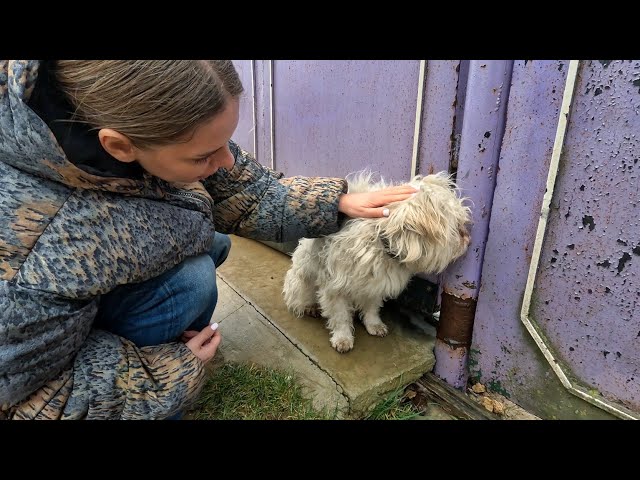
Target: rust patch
[{"x": 456, "y": 320}]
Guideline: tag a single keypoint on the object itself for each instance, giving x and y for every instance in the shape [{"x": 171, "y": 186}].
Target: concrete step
[{"x": 256, "y": 327}]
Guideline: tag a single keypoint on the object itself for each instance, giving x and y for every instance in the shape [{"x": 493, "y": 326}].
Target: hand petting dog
[
  {"x": 372, "y": 204},
  {"x": 370, "y": 260}
]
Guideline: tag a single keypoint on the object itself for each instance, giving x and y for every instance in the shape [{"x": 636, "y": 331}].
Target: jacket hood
[{"x": 27, "y": 143}]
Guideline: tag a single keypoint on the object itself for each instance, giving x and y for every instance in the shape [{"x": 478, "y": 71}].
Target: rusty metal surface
[
  {"x": 457, "y": 329},
  {"x": 503, "y": 355},
  {"x": 482, "y": 130},
  {"x": 587, "y": 290},
  {"x": 483, "y": 124}
]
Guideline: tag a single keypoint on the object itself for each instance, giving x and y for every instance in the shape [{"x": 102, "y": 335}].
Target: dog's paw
[
  {"x": 342, "y": 343},
  {"x": 313, "y": 311},
  {"x": 378, "y": 329},
  {"x": 298, "y": 312}
]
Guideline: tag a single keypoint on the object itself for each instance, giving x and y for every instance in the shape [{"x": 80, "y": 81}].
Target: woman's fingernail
[
  {"x": 214, "y": 326},
  {"x": 413, "y": 194},
  {"x": 385, "y": 212}
]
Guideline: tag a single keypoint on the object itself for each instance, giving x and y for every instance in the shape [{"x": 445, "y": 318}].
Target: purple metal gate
[
  {"x": 562, "y": 340},
  {"x": 585, "y": 289}
]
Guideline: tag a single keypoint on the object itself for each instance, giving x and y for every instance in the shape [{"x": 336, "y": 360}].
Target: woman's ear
[{"x": 117, "y": 145}]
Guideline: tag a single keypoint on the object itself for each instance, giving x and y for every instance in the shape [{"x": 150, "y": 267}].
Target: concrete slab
[
  {"x": 364, "y": 375},
  {"x": 228, "y": 302}
]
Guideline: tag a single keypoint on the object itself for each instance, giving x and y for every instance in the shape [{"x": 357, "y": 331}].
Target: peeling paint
[
  {"x": 588, "y": 220},
  {"x": 586, "y": 294},
  {"x": 602, "y": 127},
  {"x": 624, "y": 259}
]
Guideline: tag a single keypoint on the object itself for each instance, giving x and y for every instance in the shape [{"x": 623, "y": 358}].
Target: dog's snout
[{"x": 465, "y": 237}]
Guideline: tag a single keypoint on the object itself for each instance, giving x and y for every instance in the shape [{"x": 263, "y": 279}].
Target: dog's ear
[
  {"x": 427, "y": 223},
  {"x": 424, "y": 215},
  {"x": 414, "y": 227}
]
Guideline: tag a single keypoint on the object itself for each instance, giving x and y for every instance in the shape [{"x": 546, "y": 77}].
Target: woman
[{"x": 114, "y": 177}]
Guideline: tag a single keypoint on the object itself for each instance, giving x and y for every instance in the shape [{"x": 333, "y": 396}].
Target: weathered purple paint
[
  {"x": 482, "y": 129},
  {"x": 244, "y": 134},
  {"x": 254, "y": 106},
  {"x": 462, "y": 71},
  {"x": 437, "y": 122},
  {"x": 336, "y": 117},
  {"x": 461, "y": 95},
  {"x": 483, "y": 125},
  {"x": 503, "y": 355},
  {"x": 262, "y": 97},
  {"x": 588, "y": 284},
  {"x": 438, "y": 111},
  {"x": 450, "y": 363}
]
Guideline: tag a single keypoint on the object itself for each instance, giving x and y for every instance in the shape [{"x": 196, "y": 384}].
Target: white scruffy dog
[{"x": 371, "y": 260}]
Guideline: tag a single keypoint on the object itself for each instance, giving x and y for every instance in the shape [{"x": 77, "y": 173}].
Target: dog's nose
[{"x": 465, "y": 238}]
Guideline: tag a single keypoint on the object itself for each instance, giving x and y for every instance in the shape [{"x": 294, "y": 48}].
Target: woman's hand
[
  {"x": 371, "y": 204},
  {"x": 203, "y": 344}
]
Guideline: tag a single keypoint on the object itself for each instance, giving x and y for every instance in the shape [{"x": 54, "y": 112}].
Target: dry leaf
[
  {"x": 410, "y": 394},
  {"x": 487, "y": 403},
  {"x": 478, "y": 388},
  {"x": 498, "y": 407}
]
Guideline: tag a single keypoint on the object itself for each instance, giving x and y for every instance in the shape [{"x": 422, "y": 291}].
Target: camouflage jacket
[{"x": 67, "y": 237}]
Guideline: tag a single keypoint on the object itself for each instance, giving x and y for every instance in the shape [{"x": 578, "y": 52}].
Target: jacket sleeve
[
  {"x": 116, "y": 379},
  {"x": 254, "y": 201},
  {"x": 50, "y": 370}
]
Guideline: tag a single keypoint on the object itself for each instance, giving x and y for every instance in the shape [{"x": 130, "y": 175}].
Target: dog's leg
[
  {"x": 300, "y": 281},
  {"x": 299, "y": 291},
  {"x": 339, "y": 314},
  {"x": 371, "y": 319}
]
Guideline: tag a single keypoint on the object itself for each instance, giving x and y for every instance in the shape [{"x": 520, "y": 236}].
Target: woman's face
[{"x": 200, "y": 157}]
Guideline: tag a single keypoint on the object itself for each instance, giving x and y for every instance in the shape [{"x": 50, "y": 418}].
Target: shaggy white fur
[{"x": 371, "y": 260}]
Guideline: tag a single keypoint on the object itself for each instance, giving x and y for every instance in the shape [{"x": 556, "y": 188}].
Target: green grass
[
  {"x": 393, "y": 407},
  {"x": 251, "y": 392}
]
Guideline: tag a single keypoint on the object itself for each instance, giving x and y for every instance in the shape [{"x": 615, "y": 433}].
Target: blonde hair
[{"x": 152, "y": 102}]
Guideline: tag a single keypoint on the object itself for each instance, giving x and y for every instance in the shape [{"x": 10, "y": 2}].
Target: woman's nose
[
  {"x": 228, "y": 161},
  {"x": 225, "y": 160}
]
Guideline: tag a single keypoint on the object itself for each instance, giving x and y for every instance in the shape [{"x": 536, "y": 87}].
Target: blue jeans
[{"x": 160, "y": 309}]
